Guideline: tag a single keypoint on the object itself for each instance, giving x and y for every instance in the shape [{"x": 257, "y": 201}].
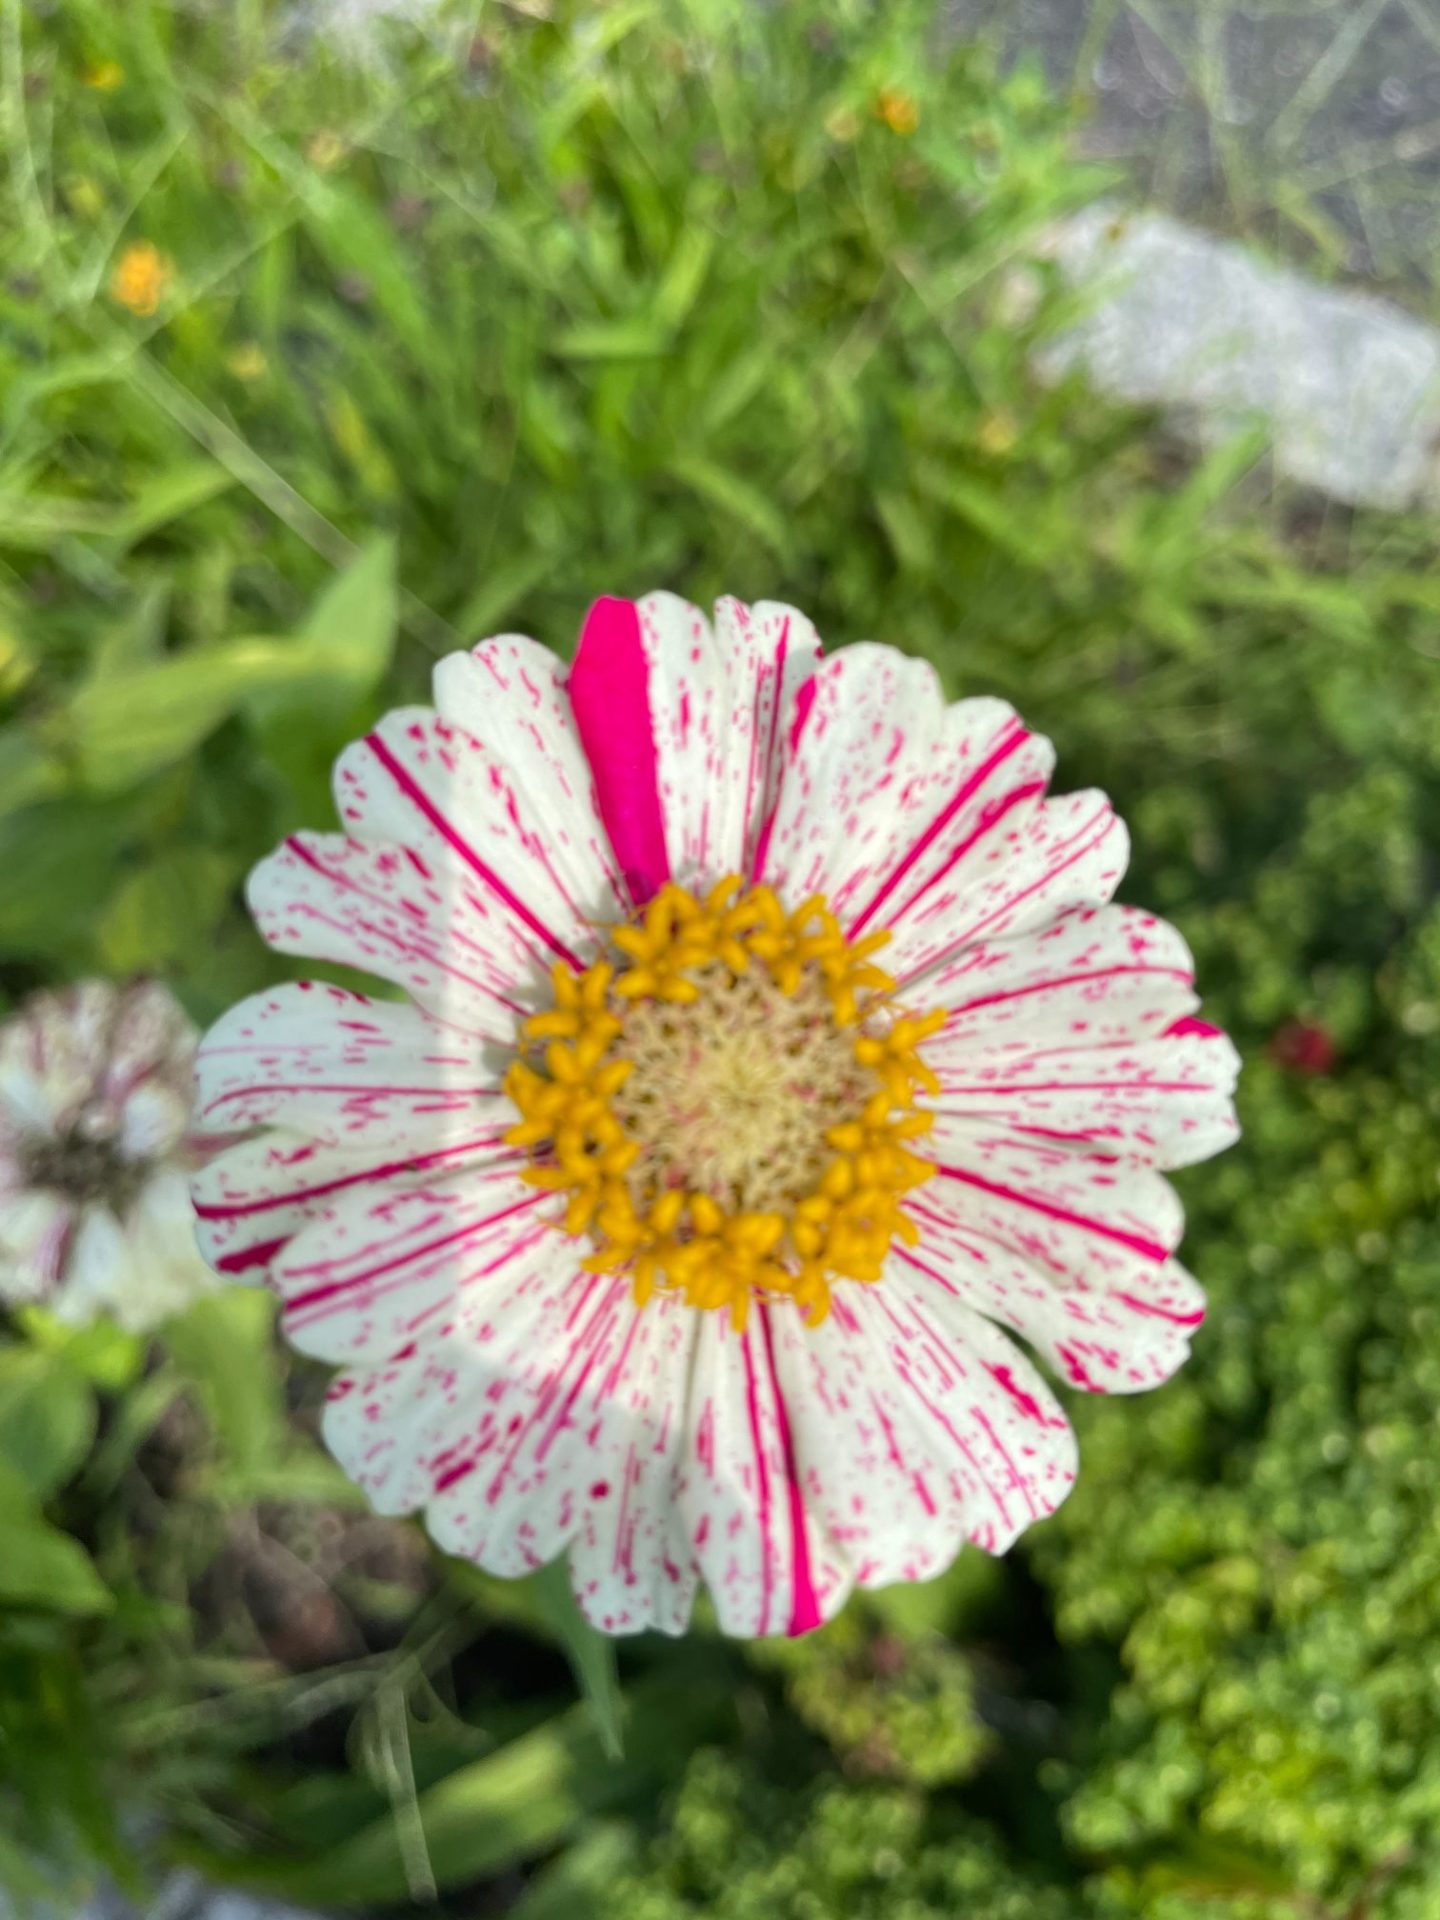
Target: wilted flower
[
  {"x": 771, "y": 1048},
  {"x": 141, "y": 277},
  {"x": 96, "y": 1156}
]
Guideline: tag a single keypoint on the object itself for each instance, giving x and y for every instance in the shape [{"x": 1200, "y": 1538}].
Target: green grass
[{"x": 546, "y": 303}]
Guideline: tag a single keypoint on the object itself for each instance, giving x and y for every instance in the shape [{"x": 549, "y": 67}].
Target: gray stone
[
  {"x": 1347, "y": 385},
  {"x": 181, "y": 1896}
]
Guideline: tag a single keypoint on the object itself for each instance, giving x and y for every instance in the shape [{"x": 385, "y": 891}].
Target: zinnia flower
[
  {"x": 96, "y": 1156},
  {"x": 771, "y": 1054}
]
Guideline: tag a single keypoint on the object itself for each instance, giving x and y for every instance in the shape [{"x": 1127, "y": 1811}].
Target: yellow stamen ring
[{"x": 726, "y": 1106}]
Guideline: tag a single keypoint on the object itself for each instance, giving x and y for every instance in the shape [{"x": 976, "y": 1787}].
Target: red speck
[
  {"x": 600, "y": 1490},
  {"x": 1304, "y": 1046}
]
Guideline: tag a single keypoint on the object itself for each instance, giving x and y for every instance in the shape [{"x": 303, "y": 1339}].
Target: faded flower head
[
  {"x": 96, "y": 1155},
  {"x": 772, "y": 1053}
]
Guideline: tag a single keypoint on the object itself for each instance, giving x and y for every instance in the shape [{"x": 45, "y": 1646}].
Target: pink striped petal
[
  {"x": 1164, "y": 1101},
  {"x": 686, "y": 727},
  {"x": 1118, "y": 1333},
  {"x": 763, "y": 1556},
  {"x": 722, "y": 701},
  {"x": 1067, "y": 853},
  {"x": 1090, "y": 1221},
  {"x": 321, "y": 1059},
  {"x": 587, "y": 1417},
  {"x": 510, "y": 696},
  {"x": 886, "y": 791},
  {"x": 546, "y": 1416},
  {"x": 418, "y": 781},
  {"x": 367, "y": 1275},
  {"x": 422, "y": 923},
  {"x": 919, "y": 1426},
  {"x": 1125, "y": 974},
  {"x": 253, "y": 1198}
]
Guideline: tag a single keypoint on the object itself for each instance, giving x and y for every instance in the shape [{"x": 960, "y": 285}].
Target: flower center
[
  {"x": 728, "y": 1103},
  {"x": 84, "y": 1168}
]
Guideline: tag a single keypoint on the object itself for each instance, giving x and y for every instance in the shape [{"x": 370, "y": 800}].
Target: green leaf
[
  {"x": 39, "y": 1565},
  {"x": 591, "y": 1653},
  {"x": 165, "y": 911},
  {"x": 642, "y": 339},
  {"x": 348, "y": 639},
  {"x": 168, "y": 496},
  {"x": 576, "y": 1882},
  {"x": 127, "y": 726},
  {"x": 105, "y": 1354},
  {"x": 735, "y": 497},
  {"x": 27, "y": 774},
  {"x": 47, "y": 1419},
  {"x": 56, "y": 859},
  {"x": 223, "y": 1346}
]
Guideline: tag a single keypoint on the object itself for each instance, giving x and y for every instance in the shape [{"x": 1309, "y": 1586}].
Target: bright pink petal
[
  {"x": 320, "y": 1059},
  {"x": 762, "y": 1553},
  {"x": 609, "y": 687},
  {"x": 919, "y": 1426},
  {"x": 686, "y": 728}
]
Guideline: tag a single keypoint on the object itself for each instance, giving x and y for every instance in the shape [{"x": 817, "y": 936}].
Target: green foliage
[
  {"x": 740, "y": 1847},
  {"x": 547, "y": 302},
  {"x": 890, "y": 1707}
]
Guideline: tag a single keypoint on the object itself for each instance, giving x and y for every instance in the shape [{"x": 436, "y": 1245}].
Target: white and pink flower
[
  {"x": 656, "y": 1224},
  {"x": 96, "y": 1154}
]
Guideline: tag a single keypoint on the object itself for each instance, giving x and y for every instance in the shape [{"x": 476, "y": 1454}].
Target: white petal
[
  {"x": 99, "y": 1272},
  {"x": 919, "y": 1426},
  {"x": 255, "y": 1196},
  {"x": 1097, "y": 974},
  {"x": 1065, "y": 853},
  {"x": 719, "y": 704},
  {"x": 766, "y": 1561},
  {"x": 538, "y": 1409},
  {"x": 1087, "y": 1219},
  {"x": 364, "y": 1277},
  {"x": 1164, "y": 1101},
  {"x": 1112, "y": 1316},
  {"x": 152, "y": 1118},
  {"x": 36, "y": 1232},
  {"x": 165, "y": 1271},
  {"x": 536, "y": 882},
  {"x": 321, "y": 1059},
  {"x": 423, "y": 924},
  {"x": 885, "y": 788}
]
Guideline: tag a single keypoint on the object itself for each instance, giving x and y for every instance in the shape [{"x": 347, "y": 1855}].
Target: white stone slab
[{"x": 1347, "y": 384}]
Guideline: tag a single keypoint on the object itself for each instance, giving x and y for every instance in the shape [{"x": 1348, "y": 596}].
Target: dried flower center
[
  {"x": 728, "y": 1104},
  {"x": 84, "y": 1168}
]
